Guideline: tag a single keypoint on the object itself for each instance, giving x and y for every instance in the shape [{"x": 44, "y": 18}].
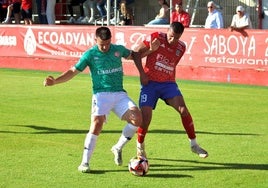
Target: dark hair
[
  {"x": 165, "y": 3},
  {"x": 177, "y": 27},
  {"x": 103, "y": 33}
]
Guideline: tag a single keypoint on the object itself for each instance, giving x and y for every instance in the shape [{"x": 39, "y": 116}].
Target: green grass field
[{"x": 42, "y": 130}]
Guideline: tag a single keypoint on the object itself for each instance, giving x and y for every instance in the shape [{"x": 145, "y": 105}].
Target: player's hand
[
  {"x": 49, "y": 81},
  {"x": 154, "y": 45}
]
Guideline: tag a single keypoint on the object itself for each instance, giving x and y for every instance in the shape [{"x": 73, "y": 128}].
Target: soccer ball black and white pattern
[{"x": 138, "y": 166}]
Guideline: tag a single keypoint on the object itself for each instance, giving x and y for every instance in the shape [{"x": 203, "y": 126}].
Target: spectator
[
  {"x": 26, "y": 11},
  {"x": 180, "y": 15},
  {"x": 240, "y": 20},
  {"x": 214, "y": 19},
  {"x": 41, "y": 11},
  {"x": 163, "y": 16},
  {"x": 89, "y": 7},
  {"x": 127, "y": 12},
  {"x": 70, "y": 6},
  {"x": 50, "y": 11},
  {"x": 15, "y": 8},
  {"x": 3, "y": 9},
  {"x": 102, "y": 10}
]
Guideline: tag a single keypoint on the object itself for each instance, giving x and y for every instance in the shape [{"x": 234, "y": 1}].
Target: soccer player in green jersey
[{"x": 104, "y": 62}]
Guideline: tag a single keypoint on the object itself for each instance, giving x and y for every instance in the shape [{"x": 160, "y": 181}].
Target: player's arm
[
  {"x": 146, "y": 50},
  {"x": 136, "y": 56},
  {"x": 64, "y": 77}
]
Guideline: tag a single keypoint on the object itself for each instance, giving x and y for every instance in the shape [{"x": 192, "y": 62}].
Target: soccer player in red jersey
[{"x": 164, "y": 51}]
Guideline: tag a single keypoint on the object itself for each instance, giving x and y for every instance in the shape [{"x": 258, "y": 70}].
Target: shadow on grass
[
  {"x": 166, "y": 131},
  {"x": 179, "y": 165},
  {"x": 159, "y": 170},
  {"x": 45, "y": 130},
  {"x": 51, "y": 130},
  {"x": 162, "y": 175},
  {"x": 154, "y": 175}
]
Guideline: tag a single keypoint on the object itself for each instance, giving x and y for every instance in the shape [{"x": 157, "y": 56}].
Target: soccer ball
[{"x": 138, "y": 166}]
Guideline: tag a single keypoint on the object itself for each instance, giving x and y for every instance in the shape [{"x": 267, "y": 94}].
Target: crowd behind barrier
[
  {"x": 65, "y": 12},
  {"x": 238, "y": 54},
  {"x": 124, "y": 12},
  {"x": 221, "y": 55}
]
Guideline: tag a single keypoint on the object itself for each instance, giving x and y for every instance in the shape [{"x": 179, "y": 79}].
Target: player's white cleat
[
  {"x": 84, "y": 168},
  {"x": 117, "y": 156},
  {"x": 199, "y": 151}
]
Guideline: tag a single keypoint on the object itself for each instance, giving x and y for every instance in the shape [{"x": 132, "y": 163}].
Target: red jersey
[
  {"x": 26, "y": 4},
  {"x": 182, "y": 17},
  {"x": 161, "y": 65}
]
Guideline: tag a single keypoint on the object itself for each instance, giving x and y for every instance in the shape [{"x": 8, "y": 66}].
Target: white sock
[
  {"x": 193, "y": 142},
  {"x": 89, "y": 145},
  {"x": 127, "y": 133}
]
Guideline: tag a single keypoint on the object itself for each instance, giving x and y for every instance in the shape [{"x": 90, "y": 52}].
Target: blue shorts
[{"x": 151, "y": 92}]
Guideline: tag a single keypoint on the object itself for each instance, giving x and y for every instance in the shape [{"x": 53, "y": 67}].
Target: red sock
[
  {"x": 141, "y": 134},
  {"x": 188, "y": 125}
]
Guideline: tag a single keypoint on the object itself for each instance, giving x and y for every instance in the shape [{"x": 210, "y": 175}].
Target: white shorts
[{"x": 104, "y": 102}]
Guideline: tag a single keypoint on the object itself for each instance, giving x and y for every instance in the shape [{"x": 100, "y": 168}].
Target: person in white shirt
[
  {"x": 214, "y": 19},
  {"x": 240, "y": 20}
]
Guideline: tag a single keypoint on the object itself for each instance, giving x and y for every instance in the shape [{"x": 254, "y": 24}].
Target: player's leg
[
  {"x": 127, "y": 110},
  {"x": 142, "y": 131},
  {"x": 90, "y": 142},
  {"x": 147, "y": 102},
  {"x": 99, "y": 110},
  {"x": 178, "y": 104},
  {"x": 127, "y": 133}
]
